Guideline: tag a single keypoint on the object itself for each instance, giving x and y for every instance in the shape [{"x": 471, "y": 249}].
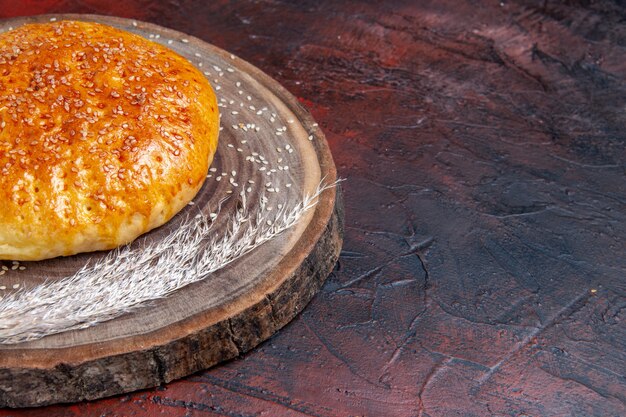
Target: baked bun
[{"x": 104, "y": 135}]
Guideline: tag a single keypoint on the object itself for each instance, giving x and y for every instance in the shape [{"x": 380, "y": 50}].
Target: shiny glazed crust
[{"x": 104, "y": 135}]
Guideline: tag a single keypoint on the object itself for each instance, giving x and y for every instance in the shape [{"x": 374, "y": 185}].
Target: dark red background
[{"x": 483, "y": 271}]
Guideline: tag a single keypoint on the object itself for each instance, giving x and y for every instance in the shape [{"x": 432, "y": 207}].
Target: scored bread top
[{"x": 104, "y": 135}]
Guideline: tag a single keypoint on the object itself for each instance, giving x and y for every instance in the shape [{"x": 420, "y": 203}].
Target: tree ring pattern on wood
[{"x": 269, "y": 144}]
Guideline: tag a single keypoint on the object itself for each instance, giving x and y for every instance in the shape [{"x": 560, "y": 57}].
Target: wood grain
[
  {"x": 236, "y": 308},
  {"x": 483, "y": 145}
]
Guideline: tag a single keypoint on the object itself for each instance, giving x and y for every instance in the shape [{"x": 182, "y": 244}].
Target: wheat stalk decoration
[{"x": 127, "y": 278}]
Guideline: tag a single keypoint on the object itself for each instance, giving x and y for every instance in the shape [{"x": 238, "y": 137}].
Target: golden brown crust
[{"x": 104, "y": 135}]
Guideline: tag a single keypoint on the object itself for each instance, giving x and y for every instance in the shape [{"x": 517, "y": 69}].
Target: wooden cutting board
[{"x": 234, "y": 309}]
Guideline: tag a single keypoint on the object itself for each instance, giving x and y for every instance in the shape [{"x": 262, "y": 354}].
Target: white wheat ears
[{"x": 124, "y": 279}]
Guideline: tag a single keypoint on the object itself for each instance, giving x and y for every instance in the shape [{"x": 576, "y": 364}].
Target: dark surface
[{"x": 483, "y": 270}]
